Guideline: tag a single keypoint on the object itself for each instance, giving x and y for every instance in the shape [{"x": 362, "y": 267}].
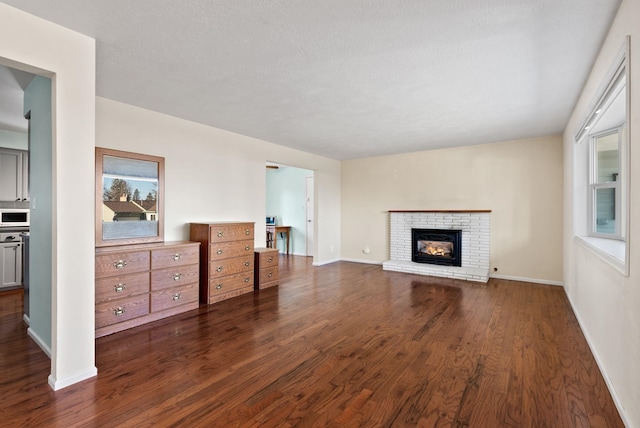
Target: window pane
[
  {"x": 607, "y": 168},
  {"x": 606, "y": 211}
]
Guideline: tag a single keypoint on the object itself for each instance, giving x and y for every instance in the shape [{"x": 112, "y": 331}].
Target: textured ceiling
[{"x": 346, "y": 79}]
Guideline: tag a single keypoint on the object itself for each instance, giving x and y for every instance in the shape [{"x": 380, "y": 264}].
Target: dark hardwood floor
[{"x": 344, "y": 344}]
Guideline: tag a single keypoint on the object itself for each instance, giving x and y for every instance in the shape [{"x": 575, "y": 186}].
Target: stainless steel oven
[{"x": 14, "y": 217}]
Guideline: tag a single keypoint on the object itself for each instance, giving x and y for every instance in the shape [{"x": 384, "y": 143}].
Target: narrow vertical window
[{"x": 605, "y": 184}]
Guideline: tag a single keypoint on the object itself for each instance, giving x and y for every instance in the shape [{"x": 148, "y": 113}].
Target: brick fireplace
[{"x": 474, "y": 239}]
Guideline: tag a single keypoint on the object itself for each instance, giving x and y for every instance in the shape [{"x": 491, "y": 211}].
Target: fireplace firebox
[{"x": 437, "y": 246}]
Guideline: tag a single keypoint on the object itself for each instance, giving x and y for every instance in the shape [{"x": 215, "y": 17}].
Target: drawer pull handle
[
  {"x": 119, "y": 311},
  {"x": 270, "y": 274},
  {"x": 247, "y": 248},
  {"x": 177, "y": 257},
  {"x": 247, "y": 232},
  {"x": 120, "y": 264},
  {"x": 176, "y": 297},
  {"x": 219, "y": 251},
  {"x": 119, "y": 288},
  {"x": 177, "y": 276},
  {"x": 219, "y": 269},
  {"x": 247, "y": 280},
  {"x": 218, "y": 287},
  {"x": 270, "y": 259},
  {"x": 220, "y": 234},
  {"x": 247, "y": 263}
]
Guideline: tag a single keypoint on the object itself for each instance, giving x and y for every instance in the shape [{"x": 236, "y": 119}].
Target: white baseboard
[
  {"x": 45, "y": 348},
  {"x": 368, "y": 262},
  {"x": 512, "y": 278},
  {"x": 607, "y": 380},
  {"x": 534, "y": 280},
  {"x": 326, "y": 262},
  {"x": 26, "y": 319},
  {"x": 57, "y": 384}
]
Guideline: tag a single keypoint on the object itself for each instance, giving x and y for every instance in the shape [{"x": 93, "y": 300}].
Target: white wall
[
  {"x": 216, "y": 175},
  {"x": 519, "y": 181},
  {"x": 605, "y": 301},
  {"x": 286, "y": 199},
  {"x": 68, "y": 58}
]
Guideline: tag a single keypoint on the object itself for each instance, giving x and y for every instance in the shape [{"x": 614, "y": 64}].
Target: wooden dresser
[
  {"x": 265, "y": 268},
  {"x": 226, "y": 259},
  {"x": 137, "y": 284}
]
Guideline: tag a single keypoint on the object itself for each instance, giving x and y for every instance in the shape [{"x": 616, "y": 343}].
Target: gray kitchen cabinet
[
  {"x": 10, "y": 264},
  {"x": 14, "y": 175}
]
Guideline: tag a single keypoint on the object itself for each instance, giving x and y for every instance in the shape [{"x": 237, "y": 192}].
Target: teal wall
[
  {"x": 37, "y": 100},
  {"x": 286, "y": 199}
]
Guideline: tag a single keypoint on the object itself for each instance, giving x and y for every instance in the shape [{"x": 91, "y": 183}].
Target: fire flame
[{"x": 441, "y": 249}]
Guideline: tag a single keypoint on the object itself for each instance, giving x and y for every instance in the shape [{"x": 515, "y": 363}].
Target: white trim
[
  {"x": 534, "y": 280},
  {"x": 607, "y": 380},
  {"x": 78, "y": 377},
  {"x": 367, "y": 262},
  {"x": 507, "y": 277},
  {"x": 45, "y": 348},
  {"x": 26, "y": 319},
  {"x": 325, "y": 262}
]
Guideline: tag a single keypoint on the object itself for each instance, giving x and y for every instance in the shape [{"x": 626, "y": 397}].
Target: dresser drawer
[
  {"x": 232, "y": 283},
  {"x": 267, "y": 257},
  {"x": 174, "y": 277},
  {"x": 230, "y": 232},
  {"x": 179, "y": 256},
  {"x": 221, "y": 268},
  {"x": 169, "y": 298},
  {"x": 117, "y": 287},
  {"x": 227, "y": 250},
  {"x": 122, "y": 310},
  {"x": 110, "y": 264},
  {"x": 268, "y": 274}
]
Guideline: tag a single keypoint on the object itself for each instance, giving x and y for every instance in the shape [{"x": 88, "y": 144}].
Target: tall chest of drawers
[
  {"x": 226, "y": 259},
  {"x": 137, "y": 284}
]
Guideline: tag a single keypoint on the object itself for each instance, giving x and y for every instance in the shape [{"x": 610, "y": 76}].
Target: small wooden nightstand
[{"x": 265, "y": 268}]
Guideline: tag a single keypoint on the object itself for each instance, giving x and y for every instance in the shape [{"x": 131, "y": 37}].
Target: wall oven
[{"x": 14, "y": 217}]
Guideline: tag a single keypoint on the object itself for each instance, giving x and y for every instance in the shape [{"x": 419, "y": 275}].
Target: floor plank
[{"x": 344, "y": 344}]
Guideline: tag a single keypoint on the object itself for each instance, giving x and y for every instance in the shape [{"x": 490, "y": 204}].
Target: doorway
[
  {"x": 290, "y": 199},
  {"x": 30, "y": 136},
  {"x": 310, "y": 204}
]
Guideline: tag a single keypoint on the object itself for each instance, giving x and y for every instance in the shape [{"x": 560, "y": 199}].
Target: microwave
[{"x": 17, "y": 217}]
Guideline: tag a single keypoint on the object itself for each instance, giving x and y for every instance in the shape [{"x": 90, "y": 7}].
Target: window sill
[{"x": 612, "y": 251}]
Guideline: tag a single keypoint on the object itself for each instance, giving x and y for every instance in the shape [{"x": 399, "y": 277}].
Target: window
[
  {"x": 605, "y": 207},
  {"x": 600, "y": 185}
]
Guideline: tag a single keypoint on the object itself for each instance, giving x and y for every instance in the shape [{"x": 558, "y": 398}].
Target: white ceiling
[{"x": 346, "y": 78}]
